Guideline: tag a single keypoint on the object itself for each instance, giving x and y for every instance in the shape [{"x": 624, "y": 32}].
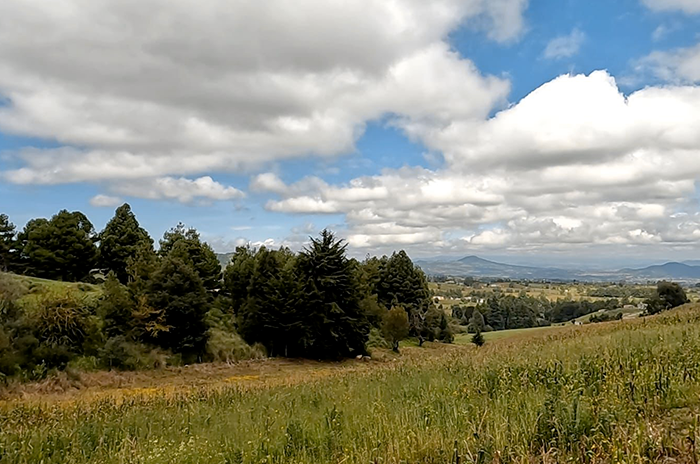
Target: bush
[
  {"x": 121, "y": 353},
  {"x": 62, "y": 319},
  {"x": 228, "y": 347},
  {"x": 376, "y": 339}
]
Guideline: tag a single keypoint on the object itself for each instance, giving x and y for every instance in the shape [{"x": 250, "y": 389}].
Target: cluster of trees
[
  {"x": 668, "y": 295},
  {"x": 319, "y": 303},
  {"x": 503, "y": 312},
  {"x": 175, "y": 302}
]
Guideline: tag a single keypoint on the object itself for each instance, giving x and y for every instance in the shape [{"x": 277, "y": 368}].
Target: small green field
[
  {"x": 465, "y": 338},
  {"x": 624, "y": 391}
]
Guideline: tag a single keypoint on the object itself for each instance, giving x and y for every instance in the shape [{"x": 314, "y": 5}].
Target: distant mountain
[
  {"x": 675, "y": 271},
  {"x": 474, "y": 266},
  {"x": 692, "y": 262}
]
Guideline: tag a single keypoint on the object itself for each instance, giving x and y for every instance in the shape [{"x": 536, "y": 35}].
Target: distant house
[
  {"x": 578, "y": 323},
  {"x": 642, "y": 306}
]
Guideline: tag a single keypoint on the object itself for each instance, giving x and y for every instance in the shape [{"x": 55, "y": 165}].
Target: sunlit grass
[{"x": 600, "y": 393}]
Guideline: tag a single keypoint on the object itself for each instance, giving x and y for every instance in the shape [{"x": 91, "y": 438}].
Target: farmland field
[{"x": 623, "y": 391}]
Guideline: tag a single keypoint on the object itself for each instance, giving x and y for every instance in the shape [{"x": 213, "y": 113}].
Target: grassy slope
[
  {"x": 610, "y": 392},
  {"x": 34, "y": 288}
]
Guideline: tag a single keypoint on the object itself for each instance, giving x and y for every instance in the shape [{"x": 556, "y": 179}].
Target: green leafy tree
[
  {"x": 8, "y": 244},
  {"x": 668, "y": 295},
  {"x": 395, "y": 326},
  {"x": 199, "y": 254},
  {"x": 672, "y": 294},
  {"x": 177, "y": 290},
  {"x": 120, "y": 240},
  {"x": 335, "y": 323},
  {"x": 62, "y": 248}
]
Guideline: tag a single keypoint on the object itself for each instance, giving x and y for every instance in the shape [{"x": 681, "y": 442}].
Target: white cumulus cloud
[
  {"x": 575, "y": 163},
  {"x": 179, "y": 189},
  {"x": 191, "y": 89}
]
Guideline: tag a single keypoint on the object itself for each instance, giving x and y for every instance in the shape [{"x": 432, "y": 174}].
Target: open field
[
  {"x": 465, "y": 338},
  {"x": 613, "y": 392}
]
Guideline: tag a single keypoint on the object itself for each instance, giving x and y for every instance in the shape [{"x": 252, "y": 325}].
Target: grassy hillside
[
  {"x": 34, "y": 288},
  {"x": 624, "y": 391}
]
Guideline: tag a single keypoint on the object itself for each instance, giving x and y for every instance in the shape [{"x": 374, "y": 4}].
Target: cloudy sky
[{"x": 547, "y": 130}]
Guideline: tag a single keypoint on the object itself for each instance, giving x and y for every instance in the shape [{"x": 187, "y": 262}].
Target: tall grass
[{"x": 618, "y": 392}]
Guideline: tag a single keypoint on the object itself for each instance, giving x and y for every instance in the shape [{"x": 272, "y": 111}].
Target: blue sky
[{"x": 411, "y": 130}]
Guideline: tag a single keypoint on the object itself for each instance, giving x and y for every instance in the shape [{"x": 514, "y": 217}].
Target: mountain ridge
[{"x": 475, "y": 266}]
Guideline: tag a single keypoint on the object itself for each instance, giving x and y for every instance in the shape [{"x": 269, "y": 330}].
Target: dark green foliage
[
  {"x": 307, "y": 305},
  {"x": 237, "y": 276},
  {"x": 671, "y": 294},
  {"x": 335, "y": 323},
  {"x": 141, "y": 267},
  {"x": 477, "y": 322},
  {"x": 397, "y": 281},
  {"x": 445, "y": 333},
  {"x": 605, "y": 317},
  {"x": 197, "y": 253},
  {"x": 62, "y": 248},
  {"x": 403, "y": 283},
  {"x": 176, "y": 289},
  {"x": 668, "y": 295},
  {"x": 274, "y": 309},
  {"x": 478, "y": 339},
  {"x": 116, "y": 307},
  {"x": 120, "y": 240},
  {"x": 8, "y": 244}
]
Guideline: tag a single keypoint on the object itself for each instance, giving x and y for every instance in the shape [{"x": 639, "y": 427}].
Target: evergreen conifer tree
[
  {"x": 62, "y": 248},
  {"x": 8, "y": 244},
  {"x": 176, "y": 289},
  {"x": 120, "y": 240},
  {"x": 336, "y": 325},
  {"x": 199, "y": 254}
]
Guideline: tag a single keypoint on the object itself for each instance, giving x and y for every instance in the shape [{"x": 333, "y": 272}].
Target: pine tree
[
  {"x": 62, "y": 248},
  {"x": 402, "y": 283},
  {"x": 8, "y": 244},
  {"x": 177, "y": 291},
  {"x": 333, "y": 318},
  {"x": 238, "y": 275},
  {"x": 199, "y": 254},
  {"x": 273, "y": 312},
  {"x": 140, "y": 268},
  {"x": 120, "y": 240},
  {"x": 116, "y": 307},
  {"x": 478, "y": 339},
  {"x": 477, "y": 322}
]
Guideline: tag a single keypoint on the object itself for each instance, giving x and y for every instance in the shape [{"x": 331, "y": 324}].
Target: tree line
[{"x": 176, "y": 304}]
